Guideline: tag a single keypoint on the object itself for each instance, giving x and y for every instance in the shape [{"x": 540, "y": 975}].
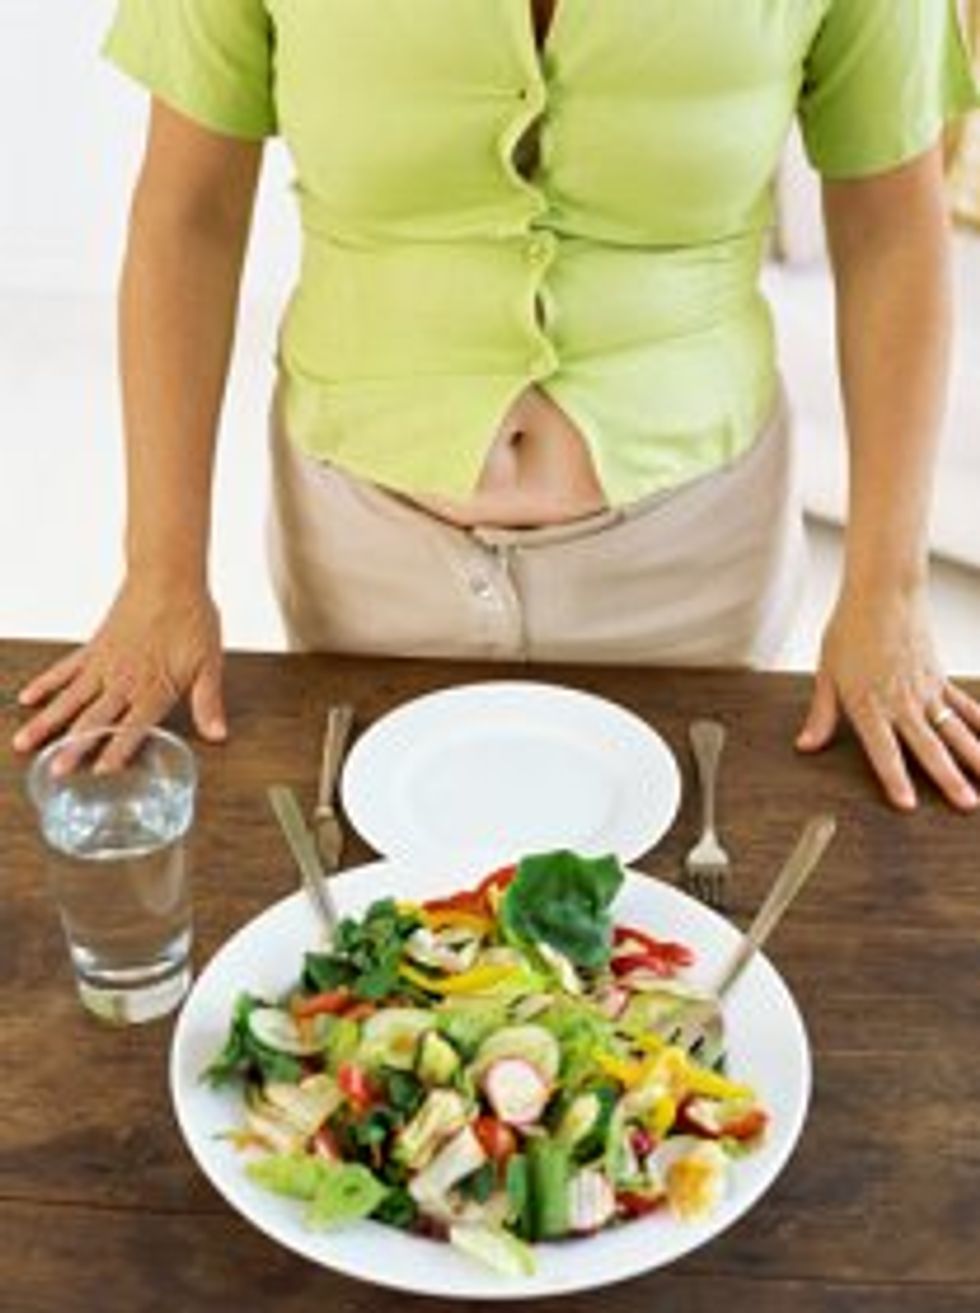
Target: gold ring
[{"x": 940, "y": 717}]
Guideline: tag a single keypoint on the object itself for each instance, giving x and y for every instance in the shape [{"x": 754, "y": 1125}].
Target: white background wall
[
  {"x": 71, "y": 134},
  {"x": 71, "y": 130}
]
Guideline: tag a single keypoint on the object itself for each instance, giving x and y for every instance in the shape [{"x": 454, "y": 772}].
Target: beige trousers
[{"x": 705, "y": 574}]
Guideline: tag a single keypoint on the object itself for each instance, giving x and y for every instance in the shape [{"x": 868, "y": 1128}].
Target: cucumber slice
[
  {"x": 438, "y": 1061},
  {"x": 276, "y": 1030},
  {"x": 391, "y": 1037}
]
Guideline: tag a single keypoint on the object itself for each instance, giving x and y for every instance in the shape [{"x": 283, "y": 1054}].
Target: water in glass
[{"x": 118, "y": 865}]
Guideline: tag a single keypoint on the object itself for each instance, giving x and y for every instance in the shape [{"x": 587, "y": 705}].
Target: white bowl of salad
[{"x": 472, "y": 1091}]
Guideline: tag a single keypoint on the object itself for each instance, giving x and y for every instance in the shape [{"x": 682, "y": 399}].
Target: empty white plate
[{"x": 487, "y": 772}]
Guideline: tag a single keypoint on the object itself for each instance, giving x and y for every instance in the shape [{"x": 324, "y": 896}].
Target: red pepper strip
[
  {"x": 635, "y": 1204},
  {"x": 743, "y": 1126},
  {"x": 468, "y": 900},
  {"x": 330, "y": 1003},
  {"x": 496, "y": 1138},
  {"x": 677, "y": 954},
  {"x": 356, "y": 1086},
  {"x": 499, "y": 879},
  {"x": 623, "y": 963},
  {"x": 474, "y": 900},
  {"x": 746, "y": 1127}
]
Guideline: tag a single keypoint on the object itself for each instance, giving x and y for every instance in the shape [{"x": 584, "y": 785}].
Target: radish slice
[{"x": 516, "y": 1090}]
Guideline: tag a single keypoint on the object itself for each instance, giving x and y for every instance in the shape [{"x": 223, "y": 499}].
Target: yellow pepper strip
[
  {"x": 662, "y": 1115},
  {"x": 467, "y": 982},
  {"x": 671, "y": 1066},
  {"x": 406, "y": 907},
  {"x": 651, "y": 1042},
  {"x": 626, "y": 1072},
  {"x": 702, "y": 1081},
  {"x": 449, "y": 916}
]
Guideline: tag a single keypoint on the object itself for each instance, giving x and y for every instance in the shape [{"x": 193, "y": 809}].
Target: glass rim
[{"x": 146, "y": 731}]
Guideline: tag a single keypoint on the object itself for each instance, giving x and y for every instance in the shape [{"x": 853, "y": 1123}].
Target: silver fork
[
  {"x": 701, "y": 1023},
  {"x": 707, "y": 867}
]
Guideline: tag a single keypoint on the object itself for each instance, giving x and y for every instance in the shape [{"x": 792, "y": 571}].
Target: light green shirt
[{"x": 437, "y": 282}]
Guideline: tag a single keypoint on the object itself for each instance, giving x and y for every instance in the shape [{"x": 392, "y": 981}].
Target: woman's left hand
[{"x": 878, "y": 667}]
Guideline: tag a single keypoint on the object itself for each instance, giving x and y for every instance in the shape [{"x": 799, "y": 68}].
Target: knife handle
[{"x": 340, "y": 721}]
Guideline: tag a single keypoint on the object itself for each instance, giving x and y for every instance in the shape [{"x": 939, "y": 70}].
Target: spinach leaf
[
  {"x": 406, "y": 1092},
  {"x": 563, "y": 900},
  {"x": 243, "y": 1055},
  {"x": 398, "y": 1208},
  {"x": 479, "y": 1184},
  {"x": 365, "y": 954}
]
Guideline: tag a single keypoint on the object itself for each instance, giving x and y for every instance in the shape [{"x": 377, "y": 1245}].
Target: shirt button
[
  {"x": 538, "y": 250},
  {"x": 541, "y": 363}
]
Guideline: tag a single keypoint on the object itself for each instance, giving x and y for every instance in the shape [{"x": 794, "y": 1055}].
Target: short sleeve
[
  {"x": 881, "y": 80},
  {"x": 210, "y": 59}
]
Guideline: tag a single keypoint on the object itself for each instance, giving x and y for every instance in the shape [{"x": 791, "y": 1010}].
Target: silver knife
[
  {"x": 327, "y": 829},
  {"x": 301, "y": 845}
]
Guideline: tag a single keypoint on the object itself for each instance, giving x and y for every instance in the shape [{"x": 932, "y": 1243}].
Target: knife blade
[
  {"x": 297, "y": 834},
  {"x": 327, "y": 830}
]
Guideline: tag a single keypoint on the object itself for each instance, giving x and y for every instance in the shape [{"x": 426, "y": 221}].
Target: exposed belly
[{"x": 538, "y": 471}]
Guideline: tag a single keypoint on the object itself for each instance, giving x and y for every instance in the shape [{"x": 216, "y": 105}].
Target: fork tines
[{"x": 709, "y": 884}]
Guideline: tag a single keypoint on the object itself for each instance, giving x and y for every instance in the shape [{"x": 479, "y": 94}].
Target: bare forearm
[
  {"x": 177, "y": 310},
  {"x": 894, "y": 319}
]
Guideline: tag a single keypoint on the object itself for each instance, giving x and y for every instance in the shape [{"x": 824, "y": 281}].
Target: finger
[
  {"x": 58, "y": 713},
  {"x": 131, "y": 732},
  {"x": 966, "y": 708},
  {"x": 962, "y": 742},
  {"x": 101, "y": 714},
  {"x": 207, "y": 704},
  {"x": 885, "y": 754},
  {"x": 50, "y": 680},
  {"x": 822, "y": 718},
  {"x": 937, "y": 760}
]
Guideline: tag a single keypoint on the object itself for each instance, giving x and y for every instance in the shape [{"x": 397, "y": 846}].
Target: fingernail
[
  {"x": 20, "y": 741},
  {"x": 25, "y": 698},
  {"x": 217, "y": 729},
  {"x": 969, "y": 798}
]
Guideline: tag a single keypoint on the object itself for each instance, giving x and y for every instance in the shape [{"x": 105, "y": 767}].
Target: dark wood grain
[{"x": 101, "y": 1208}]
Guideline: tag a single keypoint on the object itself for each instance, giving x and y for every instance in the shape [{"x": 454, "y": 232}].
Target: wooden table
[{"x": 102, "y": 1211}]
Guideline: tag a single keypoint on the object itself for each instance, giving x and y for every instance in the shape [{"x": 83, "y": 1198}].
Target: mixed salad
[{"x": 492, "y": 1068}]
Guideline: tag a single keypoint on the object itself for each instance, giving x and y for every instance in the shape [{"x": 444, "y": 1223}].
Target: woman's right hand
[{"x": 156, "y": 645}]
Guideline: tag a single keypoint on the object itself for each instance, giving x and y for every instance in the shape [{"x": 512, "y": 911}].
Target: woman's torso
[
  {"x": 538, "y": 468},
  {"x": 508, "y": 339}
]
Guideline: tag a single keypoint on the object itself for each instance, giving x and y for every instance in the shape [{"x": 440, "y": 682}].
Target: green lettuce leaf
[
  {"x": 336, "y": 1192},
  {"x": 346, "y": 1193},
  {"x": 563, "y": 900},
  {"x": 295, "y": 1175}
]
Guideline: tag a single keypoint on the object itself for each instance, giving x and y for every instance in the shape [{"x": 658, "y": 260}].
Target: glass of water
[{"x": 118, "y": 867}]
